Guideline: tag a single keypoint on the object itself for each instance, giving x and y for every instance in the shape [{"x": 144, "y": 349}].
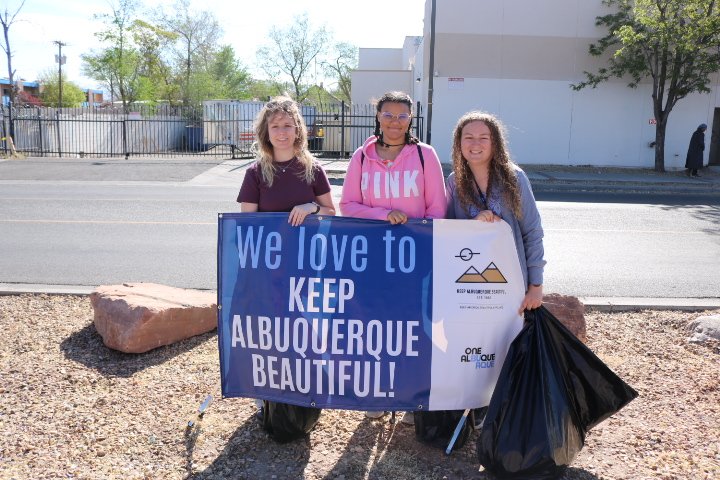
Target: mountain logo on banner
[{"x": 491, "y": 274}]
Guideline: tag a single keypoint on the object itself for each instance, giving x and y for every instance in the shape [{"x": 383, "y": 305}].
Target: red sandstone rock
[
  {"x": 137, "y": 317},
  {"x": 570, "y": 311}
]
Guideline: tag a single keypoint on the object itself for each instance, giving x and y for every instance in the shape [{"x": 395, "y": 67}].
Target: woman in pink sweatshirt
[{"x": 394, "y": 176}]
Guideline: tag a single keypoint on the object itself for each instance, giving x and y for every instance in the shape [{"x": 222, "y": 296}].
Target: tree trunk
[
  {"x": 11, "y": 77},
  {"x": 660, "y": 145}
]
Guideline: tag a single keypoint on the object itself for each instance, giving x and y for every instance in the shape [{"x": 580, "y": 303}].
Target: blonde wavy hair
[
  {"x": 282, "y": 105},
  {"x": 502, "y": 168}
]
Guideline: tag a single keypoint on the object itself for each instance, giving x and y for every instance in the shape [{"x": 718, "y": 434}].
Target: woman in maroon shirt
[{"x": 285, "y": 178}]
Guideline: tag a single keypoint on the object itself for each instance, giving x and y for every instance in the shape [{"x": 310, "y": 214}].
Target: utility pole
[
  {"x": 60, "y": 60},
  {"x": 431, "y": 72}
]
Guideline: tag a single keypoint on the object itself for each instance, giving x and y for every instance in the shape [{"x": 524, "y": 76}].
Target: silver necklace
[{"x": 287, "y": 165}]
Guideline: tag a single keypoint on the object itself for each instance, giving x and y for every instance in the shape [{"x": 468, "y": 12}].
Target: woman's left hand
[
  {"x": 299, "y": 212},
  {"x": 533, "y": 299},
  {"x": 487, "y": 216}
]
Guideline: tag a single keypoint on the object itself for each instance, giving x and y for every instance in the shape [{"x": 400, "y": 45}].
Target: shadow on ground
[{"x": 86, "y": 347}]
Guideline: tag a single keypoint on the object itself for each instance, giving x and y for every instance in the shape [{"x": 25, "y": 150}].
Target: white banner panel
[{"x": 477, "y": 291}]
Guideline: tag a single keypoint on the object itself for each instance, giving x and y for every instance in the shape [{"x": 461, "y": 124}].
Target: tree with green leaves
[
  {"x": 673, "y": 43},
  {"x": 72, "y": 95},
  {"x": 291, "y": 55},
  {"x": 262, "y": 90},
  {"x": 339, "y": 66},
  {"x": 117, "y": 66},
  {"x": 196, "y": 42},
  {"x": 232, "y": 78},
  {"x": 156, "y": 74}
]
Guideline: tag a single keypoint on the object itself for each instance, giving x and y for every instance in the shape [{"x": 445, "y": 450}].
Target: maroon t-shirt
[{"x": 288, "y": 189}]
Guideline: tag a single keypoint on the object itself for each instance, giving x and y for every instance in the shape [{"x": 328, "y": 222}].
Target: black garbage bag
[
  {"x": 437, "y": 428},
  {"x": 285, "y": 422},
  {"x": 551, "y": 390}
]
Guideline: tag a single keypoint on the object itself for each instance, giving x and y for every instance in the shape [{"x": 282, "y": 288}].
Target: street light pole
[{"x": 60, "y": 60}]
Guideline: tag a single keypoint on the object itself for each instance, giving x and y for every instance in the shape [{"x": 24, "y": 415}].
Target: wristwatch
[{"x": 317, "y": 208}]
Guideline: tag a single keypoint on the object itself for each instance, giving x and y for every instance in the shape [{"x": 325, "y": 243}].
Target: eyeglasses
[{"x": 400, "y": 117}]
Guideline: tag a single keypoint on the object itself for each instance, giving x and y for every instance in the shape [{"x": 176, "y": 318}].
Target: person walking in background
[
  {"x": 393, "y": 176},
  {"x": 694, "y": 159},
  {"x": 285, "y": 178}
]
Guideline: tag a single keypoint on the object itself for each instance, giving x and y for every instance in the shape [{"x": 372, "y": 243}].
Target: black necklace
[
  {"x": 482, "y": 195},
  {"x": 388, "y": 145}
]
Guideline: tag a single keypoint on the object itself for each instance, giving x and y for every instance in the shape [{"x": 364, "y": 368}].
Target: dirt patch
[{"x": 71, "y": 408}]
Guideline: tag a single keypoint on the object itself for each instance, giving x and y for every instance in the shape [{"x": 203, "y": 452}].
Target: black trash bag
[
  {"x": 285, "y": 422},
  {"x": 437, "y": 428},
  {"x": 551, "y": 390}
]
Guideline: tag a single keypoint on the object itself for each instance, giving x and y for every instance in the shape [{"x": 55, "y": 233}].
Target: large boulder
[
  {"x": 570, "y": 311},
  {"x": 137, "y": 317},
  {"x": 704, "y": 328}
]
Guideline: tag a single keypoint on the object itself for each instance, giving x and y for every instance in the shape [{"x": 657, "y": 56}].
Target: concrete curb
[
  {"x": 624, "y": 304},
  {"x": 604, "y": 304},
  {"x": 37, "y": 289},
  {"x": 581, "y": 186}
]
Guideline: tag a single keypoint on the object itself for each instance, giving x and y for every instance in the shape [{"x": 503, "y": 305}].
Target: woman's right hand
[
  {"x": 299, "y": 212},
  {"x": 487, "y": 216}
]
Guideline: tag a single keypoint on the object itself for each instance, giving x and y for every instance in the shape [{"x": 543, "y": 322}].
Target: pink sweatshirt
[{"x": 403, "y": 185}]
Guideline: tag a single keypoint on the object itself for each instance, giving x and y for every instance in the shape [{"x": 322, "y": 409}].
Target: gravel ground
[{"x": 71, "y": 408}]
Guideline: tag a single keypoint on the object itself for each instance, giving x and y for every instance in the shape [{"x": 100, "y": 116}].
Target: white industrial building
[{"x": 517, "y": 60}]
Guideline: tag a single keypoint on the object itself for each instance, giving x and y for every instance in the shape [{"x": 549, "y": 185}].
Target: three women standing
[{"x": 393, "y": 177}]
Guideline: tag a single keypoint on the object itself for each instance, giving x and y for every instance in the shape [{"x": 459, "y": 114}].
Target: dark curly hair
[
  {"x": 502, "y": 168},
  {"x": 394, "y": 97}
]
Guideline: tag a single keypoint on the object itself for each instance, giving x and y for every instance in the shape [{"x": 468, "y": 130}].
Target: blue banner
[
  {"x": 360, "y": 314},
  {"x": 333, "y": 313}
]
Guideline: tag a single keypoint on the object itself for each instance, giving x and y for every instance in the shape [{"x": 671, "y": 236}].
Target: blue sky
[{"x": 366, "y": 23}]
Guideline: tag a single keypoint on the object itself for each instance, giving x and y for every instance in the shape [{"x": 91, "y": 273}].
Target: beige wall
[
  {"x": 551, "y": 18},
  {"x": 369, "y": 85},
  {"x": 518, "y": 60},
  {"x": 381, "y": 59},
  {"x": 520, "y": 57}
]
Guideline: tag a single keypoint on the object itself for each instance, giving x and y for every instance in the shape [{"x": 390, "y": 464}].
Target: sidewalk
[
  {"x": 562, "y": 178},
  {"x": 569, "y": 178}
]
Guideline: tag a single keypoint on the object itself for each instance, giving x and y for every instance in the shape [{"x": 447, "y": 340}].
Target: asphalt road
[{"x": 92, "y": 233}]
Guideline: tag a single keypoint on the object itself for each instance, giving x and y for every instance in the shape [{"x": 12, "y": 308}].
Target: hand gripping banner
[{"x": 360, "y": 314}]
